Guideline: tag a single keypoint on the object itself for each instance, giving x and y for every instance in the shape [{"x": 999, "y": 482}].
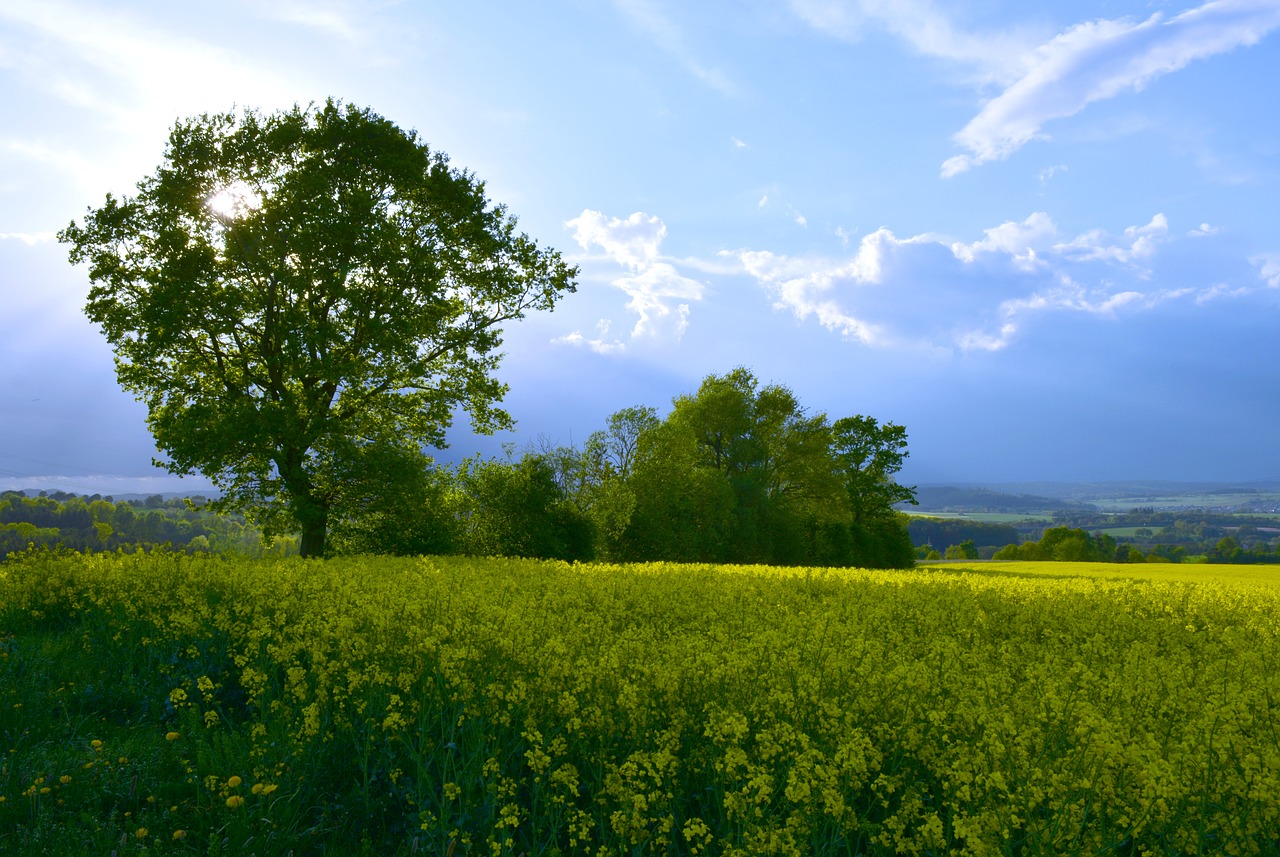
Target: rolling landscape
[{"x": 796, "y": 427}]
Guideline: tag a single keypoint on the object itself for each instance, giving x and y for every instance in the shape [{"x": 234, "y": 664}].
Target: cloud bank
[{"x": 928, "y": 291}]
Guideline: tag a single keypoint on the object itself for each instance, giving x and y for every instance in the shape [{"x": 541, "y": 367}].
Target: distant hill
[
  {"x": 1027, "y": 498},
  {"x": 953, "y": 498},
  {"x": 1137, "y": 489}
]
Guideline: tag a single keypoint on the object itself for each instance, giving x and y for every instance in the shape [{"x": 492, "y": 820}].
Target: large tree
[{"x": 298, "y": 294}]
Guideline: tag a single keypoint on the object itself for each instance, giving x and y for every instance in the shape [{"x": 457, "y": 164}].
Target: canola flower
[{"x": 498, "y": 706}]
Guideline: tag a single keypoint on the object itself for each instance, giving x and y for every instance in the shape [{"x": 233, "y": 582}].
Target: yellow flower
[
  {"x": 172, "y": 736},
  {"x": 64, "y": 779},
  {"x": 95, "y": 744},
  {"x": 235, "y": 802},
  {"x": 141, "y": 833},
  {"x": 179, "y": 834},
  {"x": 233, "y": 782}
]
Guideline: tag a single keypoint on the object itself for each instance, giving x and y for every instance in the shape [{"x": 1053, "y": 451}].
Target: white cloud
[
  {"x": 923, "y": 26},
  {"x": 600, "y": 345},
  {"x": 1049, "y": 172},
  {"x": 977, "y": 340},
  {"x": 1064, "y": 294},
  {"x": 633, "y": 242},
  {"x": 1268, "y": 265},
  {"x": 819, "y": 287},
  {"x": 929, "y": 291},
  {"x": 659, "y": 294},
  {"x": 651, "y": 291},
  {"x": 738, "y": 144},
  {"x": 764, "y": 200},
  {"x": 1141, "y": 243},
  {"x": 1098, "y": 60},
  {"x": 1221, "y": 290},
  {"x": 1018, "y": 240},
  {"x": 1204, "y": 229},
  {"x": 28, "y": 238}
]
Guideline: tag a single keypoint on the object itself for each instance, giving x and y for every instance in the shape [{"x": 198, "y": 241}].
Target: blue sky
[{"x": 1043, "y": 237}]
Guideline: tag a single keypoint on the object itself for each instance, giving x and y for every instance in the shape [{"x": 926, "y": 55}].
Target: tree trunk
[
  {"x": 314, "y": 532},
  {"x": 311, "y": 512}
]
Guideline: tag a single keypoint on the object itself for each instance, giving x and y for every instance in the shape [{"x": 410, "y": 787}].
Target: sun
[{"x": 233, "y": 201}]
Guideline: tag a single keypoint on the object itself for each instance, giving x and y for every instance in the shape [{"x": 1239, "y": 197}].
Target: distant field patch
[{"x": 983, "y": 517}]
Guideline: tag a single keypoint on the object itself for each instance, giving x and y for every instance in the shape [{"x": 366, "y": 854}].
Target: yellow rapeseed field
[{"x": 493, "y": 706}]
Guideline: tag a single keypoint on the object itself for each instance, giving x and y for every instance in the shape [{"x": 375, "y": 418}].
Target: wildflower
[
  {"x": 172, "y": 736},
  {"x": 95, "y": 744},
  {"x": 233, "y": 782},
  {"x": 64, "y": 779},
  {"x": 141, "y": 833},
  {"x": 235, "y": 802},
  {"x": 179, "y": 834}
]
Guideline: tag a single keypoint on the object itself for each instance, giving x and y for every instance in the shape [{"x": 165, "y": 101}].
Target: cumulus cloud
[
  {"x": 1018, "y": 240},
  {"x": 1098, "y": 60},
  {"x": 632, "y": 242},
  {"x": 1140, "y": 243},
  {"x": 932, "y": 291},
  {"x": 658, "y": 293},
  {"x": 819, "y": 287}
]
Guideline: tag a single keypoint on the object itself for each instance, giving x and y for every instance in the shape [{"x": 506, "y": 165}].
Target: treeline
[
  {"x": 1072, "y": 544},
  {"x": 737, "y": 472},
  {"x": 927, "y": 532},
  {"x": 96, "y": 523}
]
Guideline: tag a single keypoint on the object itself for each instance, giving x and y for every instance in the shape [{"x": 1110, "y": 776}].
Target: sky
[{"x": 1042, "y": 237}]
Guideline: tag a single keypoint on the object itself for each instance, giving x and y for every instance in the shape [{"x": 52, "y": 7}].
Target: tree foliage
[
  {"x": 741, "y": 472},
  {"x": 303, "y": 300}
]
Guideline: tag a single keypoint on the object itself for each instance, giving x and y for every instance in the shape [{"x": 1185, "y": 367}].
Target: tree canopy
[
  {"x": 741, "y": 472},
  {"x": 303, "y": 300}
]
